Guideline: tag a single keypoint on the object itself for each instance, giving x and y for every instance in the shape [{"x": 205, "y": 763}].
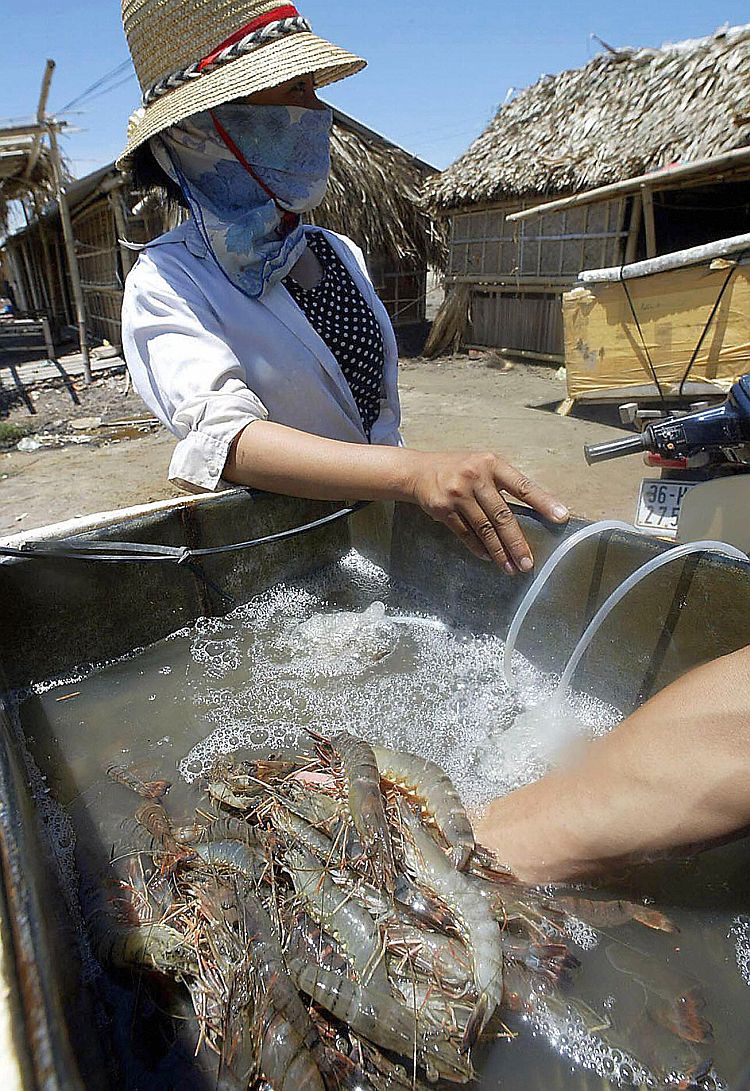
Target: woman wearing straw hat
[{"x": 257, "y": 340}]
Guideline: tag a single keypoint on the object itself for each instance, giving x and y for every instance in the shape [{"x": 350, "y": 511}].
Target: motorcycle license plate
[{"x": 659, "y": 505}]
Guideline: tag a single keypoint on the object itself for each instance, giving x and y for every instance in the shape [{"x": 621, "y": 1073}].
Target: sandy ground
[{"x": 455, "y": 402}]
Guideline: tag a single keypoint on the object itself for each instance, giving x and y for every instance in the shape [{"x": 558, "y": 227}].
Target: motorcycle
[{"x": 704, "y": 457}]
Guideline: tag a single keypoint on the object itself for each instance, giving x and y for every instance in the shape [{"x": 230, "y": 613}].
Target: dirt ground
[{"x": 455, "y": 402}]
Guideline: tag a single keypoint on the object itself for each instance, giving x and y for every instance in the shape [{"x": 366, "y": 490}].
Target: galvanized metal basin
[{"x": 58, "y": 615}]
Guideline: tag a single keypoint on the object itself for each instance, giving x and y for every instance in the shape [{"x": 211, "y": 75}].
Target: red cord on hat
[{"x": 287, "y": 11}]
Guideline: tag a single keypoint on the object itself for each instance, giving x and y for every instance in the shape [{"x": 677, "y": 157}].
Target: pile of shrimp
[{"x": 336, "y": 924}]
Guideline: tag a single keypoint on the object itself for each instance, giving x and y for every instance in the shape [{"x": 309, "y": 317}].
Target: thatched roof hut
[
  {"x": 26, "y": 171},
  {"x": 648, "y": 151},
  {"x": 627, "y": 112}
]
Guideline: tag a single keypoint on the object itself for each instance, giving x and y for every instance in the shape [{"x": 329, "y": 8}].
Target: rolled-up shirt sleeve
[{"x": 185, "y": 371}]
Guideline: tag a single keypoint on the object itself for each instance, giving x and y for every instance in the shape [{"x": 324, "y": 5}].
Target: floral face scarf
[{"x": 247, "y": 172}]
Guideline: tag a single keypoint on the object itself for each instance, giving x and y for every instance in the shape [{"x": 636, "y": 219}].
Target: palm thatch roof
[
  {"x": 374, "y": 196},
  {"x": 627, "y": 112},
  {"x": 25, "y": 171}
]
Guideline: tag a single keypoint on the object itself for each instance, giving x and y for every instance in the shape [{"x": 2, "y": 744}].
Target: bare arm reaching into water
[
  {"x": 674, "y": 774},
  {"x": 459, "y": 488}
]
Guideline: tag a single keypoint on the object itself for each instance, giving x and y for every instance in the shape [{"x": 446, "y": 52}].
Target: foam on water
[
  {"x": 568, "y": 1035},
  {"x": 292, "y": 658},
  {"x": 740, "y": 933}
]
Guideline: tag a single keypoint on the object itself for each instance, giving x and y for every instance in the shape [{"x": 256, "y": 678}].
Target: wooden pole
[
  {"x": 647, "y": 197},
  {"x": 36, "y": 301},
  {"x": 70, "y": 250},
  {"x": 695, "y": 255},
  {"x": 634, "y": 231},
  {"x": 46, "y": 256},
  {"x": 41, "y": 113},
  {"x": 19, "y": 285},
  {"x": 65, "y": 295}
]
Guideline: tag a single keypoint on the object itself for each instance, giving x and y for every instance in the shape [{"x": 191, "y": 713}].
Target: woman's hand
[
  {"x": 464, "y": 490},
  {"x": 459, "y": 488}
]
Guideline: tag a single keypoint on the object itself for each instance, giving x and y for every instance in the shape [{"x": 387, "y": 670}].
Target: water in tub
[{"x": 346, "y": 649}]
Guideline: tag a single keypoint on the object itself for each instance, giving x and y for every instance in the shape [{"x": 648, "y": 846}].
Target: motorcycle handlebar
[{"x": 601, "y": 452}]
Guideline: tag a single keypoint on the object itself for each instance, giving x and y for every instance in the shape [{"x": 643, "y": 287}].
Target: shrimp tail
[
  {"x": 553, "y": 962},
  {"x": 476, "y": 1023}
]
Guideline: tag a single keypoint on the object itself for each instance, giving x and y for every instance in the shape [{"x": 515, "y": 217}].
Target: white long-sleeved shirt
[{"x": 208, "y": 361}]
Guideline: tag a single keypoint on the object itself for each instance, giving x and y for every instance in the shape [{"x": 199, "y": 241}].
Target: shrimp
[
  {"x": 443, "y": 959},
  {"x": 154, "y": 818},
  {"x": 366, "y": 805},
  {"x": 382, "y": 1020},
  {"x": 432, "y": 788},
  {"x": 350, "y": 924},
  {"x": 480, "y": 931},
  {"x": 289, "y": 1046},
  {"x": 673, "y": 997},
  {"x": 433, "y": 1008},
  {"x": 153, "y": 946},
  {"x": 552, "y": 962},
  {"x": 384, "y": 1074},
  {"x": 229, "y": 828},
  {"x": 237, "y": 856},
  {"x": 610, "y": 914},
  {"x": 155, "y": 789},
  {"x": 311, "y": 838},
  {"x": 306, "y": 939}
]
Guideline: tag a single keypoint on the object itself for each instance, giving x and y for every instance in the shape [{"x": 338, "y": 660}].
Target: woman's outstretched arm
[
  {"x": 674, "y": 774},
  {"x": 461, "y": 489}
]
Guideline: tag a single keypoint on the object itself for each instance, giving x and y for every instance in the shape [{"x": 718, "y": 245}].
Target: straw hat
[{"x": 192, "y": 55}]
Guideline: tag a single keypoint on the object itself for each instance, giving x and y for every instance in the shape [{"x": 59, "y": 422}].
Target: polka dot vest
[{"x": 339, "y": 314}]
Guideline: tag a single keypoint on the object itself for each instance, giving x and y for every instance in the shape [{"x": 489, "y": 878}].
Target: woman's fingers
[
  {"x": 463, "y": 490},
  {"x": 485, "y": 526},
  {"x": 462, "y": 530},
  {"x": 510, "y": 479}
]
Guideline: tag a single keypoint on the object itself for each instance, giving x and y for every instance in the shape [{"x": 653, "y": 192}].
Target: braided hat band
[
  {"x": 220, "y": 50},
  {"x": 254, "y": 38}
]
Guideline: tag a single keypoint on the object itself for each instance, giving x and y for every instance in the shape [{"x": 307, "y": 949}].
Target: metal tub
[{"x": 60, "y": 614}]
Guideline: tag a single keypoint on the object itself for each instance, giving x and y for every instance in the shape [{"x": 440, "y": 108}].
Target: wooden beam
[
  {"x": 46, "y": 257},
  {"x": 41, "y": 113},
  {"x": 636, "y": 219},
  {"x": 522, "y": 354},
  {"x": 70, "y": 250},
  {"x": 18, "y": 282},
  {"x": 665, "y": 263},
  {"x": 13, "y": 131},
  {"x": 663, "y": 179},
  {"x": 116, "y": 203},
  {"x": 647, "y": 197}
]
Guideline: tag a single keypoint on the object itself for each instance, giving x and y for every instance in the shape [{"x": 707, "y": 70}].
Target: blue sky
[{"x": 436, "y": 76}]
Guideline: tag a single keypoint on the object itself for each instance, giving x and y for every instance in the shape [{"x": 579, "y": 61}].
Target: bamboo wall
[
  {"x": 518, "y": 271},
  {"x": 528, "y": 322},
  {"x": 485, "y": 245}
]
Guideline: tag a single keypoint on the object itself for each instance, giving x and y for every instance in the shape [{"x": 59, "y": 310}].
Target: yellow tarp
[{"x": 604, "y": 350}]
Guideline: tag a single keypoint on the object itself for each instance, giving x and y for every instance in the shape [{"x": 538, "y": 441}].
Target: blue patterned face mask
[{"x": 244, "y": 169}]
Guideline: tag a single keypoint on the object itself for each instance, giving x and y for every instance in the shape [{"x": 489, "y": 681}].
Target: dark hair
[{"x": 148, "y": 177}]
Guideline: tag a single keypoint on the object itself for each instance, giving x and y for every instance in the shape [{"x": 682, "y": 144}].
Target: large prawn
[
  {"x": 381, "y": 1019},
  {"x": 362, "y": 777},
  {"x": 480, "y": 931},
  {"x": 433, "y": 789},
  {"x": 336, "y": 912}
]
